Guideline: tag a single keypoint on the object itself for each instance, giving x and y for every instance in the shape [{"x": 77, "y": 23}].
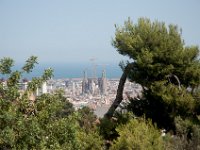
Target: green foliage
[
  {"x": 48, "y": 73},
  {"x": 47, "y": 122},
  {"x": 89, "y": 137},
  {"x": 26, "y": 124},
  {"x": 157, "y": 51},
  {"x": 107, "y": 129},
  {"x": 91, "y": 141},
  {"x": 5, "y": 65},
  {"x": 138, "y": 134},
  {"x": 30, "y": 63},
  {"x": 165, "y": 68},
  {"x": 108, "y": 126},
  {"x": 187, "y": 135},
  {"x": 169, "y": 72},
  {"x": 87, "y": 119}
]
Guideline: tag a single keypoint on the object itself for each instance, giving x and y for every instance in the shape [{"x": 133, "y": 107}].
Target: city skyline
[{"x": 65, "y": 31}]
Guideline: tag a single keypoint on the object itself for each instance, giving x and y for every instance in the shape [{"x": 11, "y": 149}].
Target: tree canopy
[
  {"x": 47, "y": 122},
  {"x": 158, "y": 52},
  {"x": 168, "y": 71},
  {"x": 159, "y": 60}
]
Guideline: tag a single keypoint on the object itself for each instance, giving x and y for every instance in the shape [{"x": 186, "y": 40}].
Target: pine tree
[{"x": 167, "y": 69}]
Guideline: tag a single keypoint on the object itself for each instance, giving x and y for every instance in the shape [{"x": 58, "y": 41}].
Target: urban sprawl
[{"x": 96, "y": 93}]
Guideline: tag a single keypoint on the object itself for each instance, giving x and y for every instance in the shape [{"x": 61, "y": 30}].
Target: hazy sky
[{"x": 77, "y": 30}]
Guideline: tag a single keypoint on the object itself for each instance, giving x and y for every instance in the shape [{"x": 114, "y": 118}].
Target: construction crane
[
  {"x": 93, "y": 67},
  {"x": 103, "y": 66}
]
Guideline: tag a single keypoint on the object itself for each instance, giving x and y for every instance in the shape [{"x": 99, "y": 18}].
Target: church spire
[
  {"x": 104, "y": 74},
  {"x": 85, "y": 74}
]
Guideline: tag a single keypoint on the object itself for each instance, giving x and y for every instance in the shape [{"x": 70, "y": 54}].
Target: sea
[{"x": 72, "y": 70}]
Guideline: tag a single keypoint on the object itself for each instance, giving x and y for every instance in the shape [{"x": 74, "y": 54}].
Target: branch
[
  {"x": 119, "y": 96},
  {"x": 177, "y": 79}
]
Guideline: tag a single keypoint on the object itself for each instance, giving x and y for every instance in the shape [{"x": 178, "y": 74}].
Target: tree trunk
[{"x": 119, "y": 96}]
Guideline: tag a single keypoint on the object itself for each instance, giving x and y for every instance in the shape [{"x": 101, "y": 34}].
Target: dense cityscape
[
  {"x": 96, "y": 93},
  {"x": 99, "y": 75}
]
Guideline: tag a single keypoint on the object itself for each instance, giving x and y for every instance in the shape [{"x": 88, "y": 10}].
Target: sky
[{"x": 74, "y": 31}]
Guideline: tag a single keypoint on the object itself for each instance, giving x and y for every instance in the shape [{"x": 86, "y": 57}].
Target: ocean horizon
[{"x": 73, "y": 70}]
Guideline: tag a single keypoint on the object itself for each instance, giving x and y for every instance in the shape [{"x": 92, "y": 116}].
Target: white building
[{"x": 42, "y": 90}]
